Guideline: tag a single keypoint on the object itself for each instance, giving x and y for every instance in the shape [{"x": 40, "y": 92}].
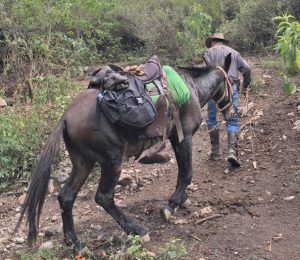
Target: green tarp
[{"x": 176, "y": 85}]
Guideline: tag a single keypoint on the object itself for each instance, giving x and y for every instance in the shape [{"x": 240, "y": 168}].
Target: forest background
[{"x": 45, "y": 45}]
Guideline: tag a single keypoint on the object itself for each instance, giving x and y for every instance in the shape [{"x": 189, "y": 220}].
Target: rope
[{"x": 228, "y": 88}]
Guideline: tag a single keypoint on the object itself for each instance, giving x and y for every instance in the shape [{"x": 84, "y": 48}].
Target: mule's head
[{"x": 109, "y": 78}]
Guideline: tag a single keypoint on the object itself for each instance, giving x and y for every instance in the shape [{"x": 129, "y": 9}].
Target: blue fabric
[{"x": 232, "y": 123}]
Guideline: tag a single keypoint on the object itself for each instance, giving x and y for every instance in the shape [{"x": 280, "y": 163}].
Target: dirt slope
[{"x": 258, "y": 205}]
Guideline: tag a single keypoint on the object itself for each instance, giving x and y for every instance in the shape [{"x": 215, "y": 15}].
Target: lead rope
[
  {"x": 251, "y": 130},
  {"x": 229, "y": 91}
]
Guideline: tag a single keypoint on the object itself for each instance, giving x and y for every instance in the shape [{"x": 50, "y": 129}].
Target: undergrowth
[
  {"x": 130, "y": 248},
  {"x": 24, "y": 128}
]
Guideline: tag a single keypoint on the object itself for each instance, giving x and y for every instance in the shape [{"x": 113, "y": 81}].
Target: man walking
[{"x": 215, "y": 56}]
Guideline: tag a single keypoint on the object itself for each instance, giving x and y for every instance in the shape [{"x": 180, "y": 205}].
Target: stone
[
  {"x": 54, "y": 230},
  {"x": 19, "y": 240},
  {"x": 47, "y": 245},
  {"x": 125, "y": 179}
]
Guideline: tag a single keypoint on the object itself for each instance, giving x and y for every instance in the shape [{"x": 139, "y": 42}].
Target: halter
[{"x": 229, "y": 92}]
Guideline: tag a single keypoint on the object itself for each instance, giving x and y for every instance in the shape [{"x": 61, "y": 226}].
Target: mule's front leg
[
  {"x": 183, "y": 153},
  {"x": 105, "y": 197}
]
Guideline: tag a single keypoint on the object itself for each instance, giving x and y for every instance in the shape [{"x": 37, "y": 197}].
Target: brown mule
[{"x": 109, "y": 146}]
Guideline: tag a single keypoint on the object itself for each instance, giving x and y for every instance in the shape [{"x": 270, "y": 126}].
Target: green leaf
[{"x": 288, "y": 87}]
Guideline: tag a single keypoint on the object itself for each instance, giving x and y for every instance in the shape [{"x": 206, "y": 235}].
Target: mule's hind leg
[
  {"x": 183, "y": 153},
  {"x": 67, "y": 196},
  {"x": 110, "y": 173}
]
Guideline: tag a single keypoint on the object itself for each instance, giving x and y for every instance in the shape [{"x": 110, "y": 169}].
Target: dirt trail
[{"x": 258, "y": 205}]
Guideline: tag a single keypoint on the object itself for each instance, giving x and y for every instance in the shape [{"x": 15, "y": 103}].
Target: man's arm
[{"x": 245, "y": 69}]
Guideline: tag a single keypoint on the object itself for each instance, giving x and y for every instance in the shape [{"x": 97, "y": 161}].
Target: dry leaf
[
  {"x": 260, "y": 113},
  {"x": 255, "y": 164},
  {"x": 270, "y": 245},
  {"x": 297, "y": 125},
  {"x": 193, "y": 187},
  {"x": 244, "y": 110},
  {"x": 289, "y": 198},
  {"x": 205, "y": 211},
  {"x": 180, "y": 221},
  {"x": 2, "y": 102}
]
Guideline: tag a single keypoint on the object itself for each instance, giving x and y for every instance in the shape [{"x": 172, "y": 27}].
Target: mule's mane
[
  {"x": 198, "y": 71},
  {"x": 191, "y": 75}
]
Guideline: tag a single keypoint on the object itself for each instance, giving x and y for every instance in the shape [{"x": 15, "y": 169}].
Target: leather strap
[{"x": 174, "y": 110}]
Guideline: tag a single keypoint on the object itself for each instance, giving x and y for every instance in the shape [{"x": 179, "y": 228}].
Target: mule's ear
[
  {"x": 227, "y": 62},
  {"x": 95, "y": 72},
  {"x": 116, "y": 68}
]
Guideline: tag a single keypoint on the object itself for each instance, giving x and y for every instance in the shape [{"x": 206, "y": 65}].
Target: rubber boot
[
  {"x": 232, "y": 150},
  {"x": 215, "y": 153}
]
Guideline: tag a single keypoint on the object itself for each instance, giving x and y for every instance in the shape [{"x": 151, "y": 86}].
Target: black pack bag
[{"x": 129, "y": 107}]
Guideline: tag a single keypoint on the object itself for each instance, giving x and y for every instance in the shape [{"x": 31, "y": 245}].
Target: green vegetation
[
  {"x": 196, "y": 27},
  {"x": 44, "y": 253},
  {"x": 23, "y": 129},
  {"x": 288, "y": 41},
  {"x": 251, "y": 28},
  {"x": 129, "y": 248},
  {"x": 288, "y": 44}
]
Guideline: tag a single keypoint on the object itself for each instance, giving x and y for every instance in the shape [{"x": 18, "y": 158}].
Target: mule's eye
[{"x": 107, "y": 74}]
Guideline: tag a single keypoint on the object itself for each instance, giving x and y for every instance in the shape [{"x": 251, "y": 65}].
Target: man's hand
[{"x": 245, "y": 91}]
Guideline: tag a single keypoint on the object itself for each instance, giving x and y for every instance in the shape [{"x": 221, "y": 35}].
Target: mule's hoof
[
  {"x": 186, "y": 204},
  {"x": 145, "y": 238},
  {"x": 166, "y": 213}
]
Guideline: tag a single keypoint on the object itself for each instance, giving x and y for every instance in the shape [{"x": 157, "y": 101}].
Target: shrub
[
  {"x": 252, "y": 30},
  {"x": 22, "y": 131},
  {"x": 196, "y": 27},
  {"x": 288, "y": 41},
  {"x": 173, "y": 29}
]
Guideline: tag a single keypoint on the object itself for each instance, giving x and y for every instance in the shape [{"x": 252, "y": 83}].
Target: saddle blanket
[{"x": 176, "y": 86}]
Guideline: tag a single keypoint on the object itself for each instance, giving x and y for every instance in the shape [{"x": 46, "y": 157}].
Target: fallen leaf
[
  {"x": 193, "y": 187},
  {"x": 205, "y": 211},
  {"x": 267, "y": 76},
  {"x": 278, "y": 237},
  {"x": 260, "y": 113},
  {"x": 254, "y": 164},
  {"x": 289, "y": 198},
  {"x": 297, "y": 125},
  {"x": 180, "y": 221}
]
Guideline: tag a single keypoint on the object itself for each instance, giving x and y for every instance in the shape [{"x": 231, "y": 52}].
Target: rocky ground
[{"x": 248, "y": 213}]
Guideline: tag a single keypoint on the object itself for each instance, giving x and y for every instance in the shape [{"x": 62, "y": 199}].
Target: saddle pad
[{"x": 176, "y": 85}]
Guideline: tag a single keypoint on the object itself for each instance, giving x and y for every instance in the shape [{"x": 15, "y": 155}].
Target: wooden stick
[
  {"x": 207, "y": 218},
  {"x": 195, "y": 237}
]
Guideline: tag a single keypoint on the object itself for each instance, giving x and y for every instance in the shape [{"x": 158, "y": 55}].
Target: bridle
[{"x": 227, "y": 92}]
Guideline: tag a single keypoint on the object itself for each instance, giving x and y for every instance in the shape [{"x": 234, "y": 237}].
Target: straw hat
[{"x": 215, "y": 36}]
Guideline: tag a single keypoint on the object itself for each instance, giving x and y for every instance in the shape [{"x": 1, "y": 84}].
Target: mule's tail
[{"x": 39, "y": 183}]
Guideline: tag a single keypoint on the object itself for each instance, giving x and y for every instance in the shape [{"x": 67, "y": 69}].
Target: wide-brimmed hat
[{"x": 215, "y": 36}]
